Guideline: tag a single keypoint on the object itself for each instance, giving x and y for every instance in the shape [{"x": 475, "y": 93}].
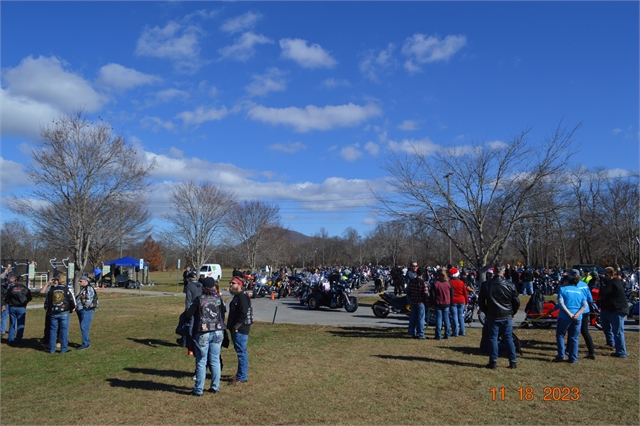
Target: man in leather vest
[
  {"x": 60, "y": 303},
  {"x": 498, "y": 299},
  {"x": 208, "y": 333}
]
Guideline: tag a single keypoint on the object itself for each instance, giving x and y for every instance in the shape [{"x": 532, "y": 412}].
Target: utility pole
[{"x": 448, "y": 178}]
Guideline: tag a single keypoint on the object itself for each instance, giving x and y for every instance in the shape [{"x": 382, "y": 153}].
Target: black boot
[
  {"x": 513, "y": 365},
  {"x": 492, "y": 365}
]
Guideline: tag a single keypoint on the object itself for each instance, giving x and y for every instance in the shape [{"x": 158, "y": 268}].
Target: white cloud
[
  {"x": 201, "y": 115},
  {"x": 351, "y": 153},
  {"x": 168, "y": 95},
  {"x": 617, "y": 130},
  {"x": 408, "y": 125},
  {"x": 175, "y": 152},
  {"x": 332, "y": 83},
  {"x": 243, "y": 48},
  {"x": 312, "y": 56},
  {"x": 155, "y": 123},
  {"x": 38, "y": 90},
  {"x": 12, "y": 175},
  {"x": 372, "y": 148},
  {"x": 313, "y": 117},
  {"x": 332, "y": 193},
  {"x": 271, "y": 81},
  {"x": 203, "y": 14},
  {"x": 370, "y": 221},
  {"x": 496, "y": 145},
  {"x": 240, "y": 23},
  {"x": 424, "y": 146},
  {"x": 289, "y": 148},
  {"x": 174, "y": 42},
  {"x": 119, "y": 77},
  {"x": 422, "y": 49},
  {"x": 376, "y": 62},
  {"x": 45, "y": 80}
]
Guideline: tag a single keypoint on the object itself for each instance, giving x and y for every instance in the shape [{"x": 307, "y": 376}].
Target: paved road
[{"x": 290, "y": 311}]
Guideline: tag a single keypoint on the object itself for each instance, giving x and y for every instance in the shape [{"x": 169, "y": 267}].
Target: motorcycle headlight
[{"x": 263, "y": 280}]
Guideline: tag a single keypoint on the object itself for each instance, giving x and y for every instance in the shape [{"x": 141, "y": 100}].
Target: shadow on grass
[
  {"x": 427, "y": 359},
  {"x": 373, "y": 332},
  {"x": 160, "y": 373},
  {"x": 31, "y": 343},
  {"x": 149, "y": 386},
  {"x": 152, "y": 342}
]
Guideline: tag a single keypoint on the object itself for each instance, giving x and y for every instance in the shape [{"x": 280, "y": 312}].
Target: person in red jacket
[
  {"x": 441, "y": 294},
  {"x": 458, "y": 302}
]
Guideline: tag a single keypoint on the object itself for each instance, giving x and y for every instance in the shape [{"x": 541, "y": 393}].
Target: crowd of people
[
  {"x": 206, "y": 322},
  {"x": 60, "y": 302}
]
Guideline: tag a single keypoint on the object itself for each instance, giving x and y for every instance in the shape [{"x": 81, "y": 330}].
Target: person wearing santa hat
[{"x": 458, "y": 302}]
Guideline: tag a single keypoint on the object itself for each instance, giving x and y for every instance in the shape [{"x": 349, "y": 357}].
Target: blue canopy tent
[
  {"x": 126, "y": 261},
  {"x": 123, "y": 279}
]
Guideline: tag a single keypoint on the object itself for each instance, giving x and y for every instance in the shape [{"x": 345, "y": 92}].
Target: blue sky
[{"x": 298, "y": 102}]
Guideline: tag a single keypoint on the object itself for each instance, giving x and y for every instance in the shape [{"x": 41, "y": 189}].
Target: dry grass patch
[{"x": 134, "y": 373}]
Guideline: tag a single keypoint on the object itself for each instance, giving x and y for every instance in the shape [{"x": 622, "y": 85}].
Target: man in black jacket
[
  {"x": 498, "y": 299},
  {"x": 613, "y": 304},
  {"x": 239, "y": 323},
  {"x": 17, "y": 297}
]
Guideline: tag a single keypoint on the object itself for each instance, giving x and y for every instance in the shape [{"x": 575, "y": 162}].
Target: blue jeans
[
  {"x": 207, "y": 351},
  {"x": 440, "y": 314},
  {"x": 240, "y": 345},
  {"x": 527, "y": 288},
  {"x": 613, "y": 328},
  {"x": 497, "y": 327},
  {"x": 416, "y": 320},
  {"x": 61, "y": 321},
  {"x": 5, "y": 315},
  {"x": 85, "y": 316},
  {"x": 18, "y": 317},
  {"x": 573, "y": 326},
  {"x": 457, "y": 314}
]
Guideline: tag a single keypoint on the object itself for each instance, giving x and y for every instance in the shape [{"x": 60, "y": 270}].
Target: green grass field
[{"x": 134, "y": 373}]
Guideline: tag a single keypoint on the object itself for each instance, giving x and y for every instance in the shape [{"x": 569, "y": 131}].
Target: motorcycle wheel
[
  {"x": 537, "y": 324},
  {"x": 380, "y": 309},
  {"x": 482, "y": 317},
  {"x": 352, "y": 306},
  {"x": 313, "y": 303}
]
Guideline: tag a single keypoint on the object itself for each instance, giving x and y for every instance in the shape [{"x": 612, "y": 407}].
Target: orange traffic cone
[{"x": 273, "y": 295}]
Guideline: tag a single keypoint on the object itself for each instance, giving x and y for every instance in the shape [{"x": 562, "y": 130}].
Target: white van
[{"x": 212, "y": 270}]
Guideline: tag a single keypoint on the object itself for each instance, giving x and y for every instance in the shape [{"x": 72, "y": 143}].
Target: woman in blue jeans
[
  {"x": 208, "y": 326},
  {"x": 441, "y": 295}
]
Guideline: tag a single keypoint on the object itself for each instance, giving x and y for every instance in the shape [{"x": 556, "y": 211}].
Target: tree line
[{"x": 518, "y": 202}]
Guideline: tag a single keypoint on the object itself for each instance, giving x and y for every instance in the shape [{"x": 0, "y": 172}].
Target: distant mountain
[{"x": 296, "y": 237}]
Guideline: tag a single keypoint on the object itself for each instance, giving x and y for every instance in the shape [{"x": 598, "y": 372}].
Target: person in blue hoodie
[
  {"x": 573, "y": 303},
  {"x": 584, "y": 326}
]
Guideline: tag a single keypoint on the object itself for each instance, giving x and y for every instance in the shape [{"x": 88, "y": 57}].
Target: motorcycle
[
  {"x": 390, "y": 304},
  {"x": 634, "y": 313},
  {"x": 337, "y": 297},
  {"x": 260, "y": 288}
]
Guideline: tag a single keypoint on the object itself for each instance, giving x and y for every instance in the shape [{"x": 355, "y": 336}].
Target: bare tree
[
  {"x": 248, "y": 222},
  {"x": 78, "y": 168},
  {"x": 621, "y": 204},
  {"x": 490, "y": 186},
  {"x": 197, "y": 219},
  {"x": 122, "y": 224}
]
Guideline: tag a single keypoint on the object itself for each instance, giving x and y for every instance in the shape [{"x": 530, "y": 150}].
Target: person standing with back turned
[{"x": 499, "y": 301}]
